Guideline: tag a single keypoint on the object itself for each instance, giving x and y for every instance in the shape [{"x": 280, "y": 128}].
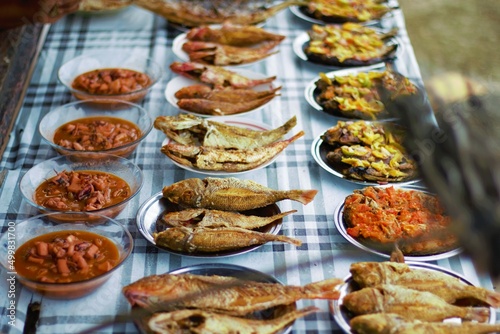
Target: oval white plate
[
  {"x": 153, "y": 208},
  {"x": 303, "y": 38},
  {"x": 342, "y": 317},
  {"x": 341, "y": 227},
  {"x": 296, "y": 10},
  {"x": 179, "y": 82},
  {"x": 234, "y": 121},
  {"x": 319, "y": 150}
]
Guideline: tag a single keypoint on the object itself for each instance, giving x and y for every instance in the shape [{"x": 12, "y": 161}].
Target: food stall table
[{"x": 324, "y": 252}]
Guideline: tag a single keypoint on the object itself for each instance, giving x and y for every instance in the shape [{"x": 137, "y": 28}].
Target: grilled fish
[
  {"x": 186, "y": 128},
  {"x": 218, "y": 76},
  {"x": 412, "y": 304},
  {"x": 221, "y": 108},
  {"x": 228, "y": 160},
  {"x": 199, "y": 321},
  {"x": 229, "y": 194},
  {"x": 228, "y": 94},
  {"x": 213, "y": 240},
  {"x": 218, "y": 218},
  {"x": 235, "y": 35},
  {"x": 370, "y": 274},
  {"x": 229, "y": 295},
  {"x": 389, "y": 323}
]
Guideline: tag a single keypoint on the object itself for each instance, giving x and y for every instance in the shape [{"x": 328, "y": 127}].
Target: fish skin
[
  {"x": 213, "y": 240},
  {"x": 185, "y": 128},
  {"x": 228, "y": 160},
  {"x": 227, "y": 94},
  {"x": 218, "y": 108},
  {"x": 389, "y": 323},
  {"x": 229, "y": 194},
  {"x": 218, "y": 218},
  {"x": 369, "y": 274},
  {"x": 412, "y": 304},
  {"x": 218, "y": 76},
  {"x": 217, "y": 323},
  {"x": 222, "y": 55},
  {"x": 229, "y": 295},
  {"x": 235, "y": 35}
]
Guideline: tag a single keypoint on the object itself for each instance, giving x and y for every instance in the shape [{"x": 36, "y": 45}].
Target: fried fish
[
  {"x": 213, "y": 240},
  {"x": 451, "y": 289},
  {"x": 229, "y": 194},
  {"x": 389, "y": 323},
  {"x": 412, "y": 304},
  {"x": 218, "y": 218},
  {"x": 229, "y": 295},
  {"x": 199, "y": 321}
]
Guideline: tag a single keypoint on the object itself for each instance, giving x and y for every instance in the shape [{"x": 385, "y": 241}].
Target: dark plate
[
  {"x": 151, "y": 211},
  {"x": 221, "y": 269},
  {"x": 302, "y": 40},
  {"x": 342, "y": 316},
  {"x": 371, "y": 247},
  {"x": 319, "y": 150}
]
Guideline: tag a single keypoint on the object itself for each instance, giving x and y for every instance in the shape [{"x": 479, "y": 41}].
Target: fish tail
[
  {"x": 284, "y": 238},
  {"x": 493, "y": 299},
  {"x": 480, "y": 314},
  {"x": 326, "y": 289},
  {"x": 283, "y": 214},
  {"x": 303, "y": 196}
]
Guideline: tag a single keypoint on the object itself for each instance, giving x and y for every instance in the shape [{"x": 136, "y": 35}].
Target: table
[{"x": 324, "y": 253}]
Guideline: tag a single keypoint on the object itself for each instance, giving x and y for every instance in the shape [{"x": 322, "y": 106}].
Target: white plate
[
  {"x": 234, "y": 121},
  {"x": 153, "y": 208},
  {"x": 342, "y": 228},
  {"x": 342, "y": 316},
  {"x": 302, "y": 39},
  {"x": 297, "y": 11},
  {"x": 179, "y": 82},
  {"x": 319, "y": 149}
]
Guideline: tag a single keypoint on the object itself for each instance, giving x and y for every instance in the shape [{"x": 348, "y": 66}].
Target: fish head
[
  {"x": 187, "y": 69},
  {"x": 150, "y": 290},
  {"x": 185, "y": 193}
]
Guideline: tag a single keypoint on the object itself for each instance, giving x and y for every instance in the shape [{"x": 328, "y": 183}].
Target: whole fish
[
  {"x": 390, "y": 323},
  {"x": 221, "y": 108},
  {"x": 228, "y": 160},
  {"x": 202, "y": 322},
  {"x": 228, "y": 94},
  {"x": 218, "y": 76},
  {"x": 235, "y": 35},
  {"x": 186, "y": 129},
  {"x": 449, "y": 288},
  {"x": 229, "y": 194},
  {"x": 213, "y": 240},
  {"x": 218, "y": 218},
  {"x": 224, "y": 55},
  {"x": 412, "y": 304},
  {"x": 223, "y": 294}
]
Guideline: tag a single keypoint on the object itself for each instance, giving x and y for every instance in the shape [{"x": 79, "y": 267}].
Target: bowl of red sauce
[
  {"x": 65, "y": 261},
  {"x": 106, "y": 76},
  {"x": 94, "y": 183},
  {"x": 83, "y": 126}
]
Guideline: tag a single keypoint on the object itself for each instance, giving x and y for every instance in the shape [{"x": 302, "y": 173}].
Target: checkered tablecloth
[{"x": 324, "y": 253}]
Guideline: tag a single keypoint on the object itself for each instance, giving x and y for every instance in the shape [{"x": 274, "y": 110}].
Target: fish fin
[
  {"x": 493, "y": 299},
  {"x": 306, "y": 196},
  {"x": 326, "y": 289},
  {"x": 480, "y": 314}
]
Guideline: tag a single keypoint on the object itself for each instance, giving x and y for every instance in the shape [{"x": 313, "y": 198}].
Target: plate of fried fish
[
  {"x": 223, "y": 146},
  {"x": 413, "y": 297},
  {"x": 216, "y": 217},
  {"x": 207, "y": 297},
  {"x": 208, "y": 90},
  {"x": 366, "y": 153},
  {"x": 226, "y": 45},
  {"x": 375, "y": 219}
]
